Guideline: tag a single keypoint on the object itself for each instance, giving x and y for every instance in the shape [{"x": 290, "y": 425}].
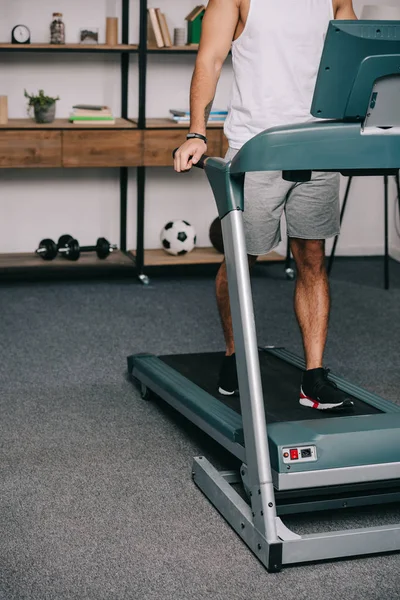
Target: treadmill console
[{"x": 300, "y": 454}]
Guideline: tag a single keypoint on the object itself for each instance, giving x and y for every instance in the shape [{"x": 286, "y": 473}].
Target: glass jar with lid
[{"x": 57, "y": 29}]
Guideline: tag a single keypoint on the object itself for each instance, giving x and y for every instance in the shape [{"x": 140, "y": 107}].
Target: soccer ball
[{"x": 178, "y": 237}]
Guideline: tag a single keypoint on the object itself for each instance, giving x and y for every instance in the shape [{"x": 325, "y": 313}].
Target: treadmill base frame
[{"x": 292, "y": 548}]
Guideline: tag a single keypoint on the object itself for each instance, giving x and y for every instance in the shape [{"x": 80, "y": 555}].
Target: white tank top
[{"x": 275, "y": 65}]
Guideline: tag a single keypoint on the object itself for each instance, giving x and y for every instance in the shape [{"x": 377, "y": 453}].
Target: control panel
[{"x": 299, "y": 454}]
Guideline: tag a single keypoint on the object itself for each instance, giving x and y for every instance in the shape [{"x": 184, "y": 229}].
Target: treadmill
[{"x": 295, "y": 459}]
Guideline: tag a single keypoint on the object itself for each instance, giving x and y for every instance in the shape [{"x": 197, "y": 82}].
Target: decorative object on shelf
[
  {"x": 217, "y": 117},
  {"x": 90, "y": 35},
  {"x": 20, "y": 35},
  {"x": 215, "y": 234},
  {"x": 112, "y": 31},
  {"x": 180, "y": 36},
  {"x": 91, "y": 115},
  {"x": 178, "y": 237},
  {"x": 195, "y": 20},
  {"x": 3, "y": 110},
  {"x": 57, "y": 29},
  {"x": 155, "y": 36},
  {"x": 44, "y": 107}
]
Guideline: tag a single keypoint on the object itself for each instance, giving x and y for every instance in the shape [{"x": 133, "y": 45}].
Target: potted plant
[{"x": 44, "y": 107}]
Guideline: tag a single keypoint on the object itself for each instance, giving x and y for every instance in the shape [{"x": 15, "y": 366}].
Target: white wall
[{"x": 85, "y": 202}]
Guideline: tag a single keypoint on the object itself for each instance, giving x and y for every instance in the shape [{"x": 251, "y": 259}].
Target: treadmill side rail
[
  {"x": 342, "y": 544},
  {"x": 211, "y": 416}
]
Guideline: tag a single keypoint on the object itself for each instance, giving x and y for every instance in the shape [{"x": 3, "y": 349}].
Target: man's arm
[
  {"x": 218, "y": 29},
  {"x": 219, "y": 25},
  {"x": 344, "y": 10}
]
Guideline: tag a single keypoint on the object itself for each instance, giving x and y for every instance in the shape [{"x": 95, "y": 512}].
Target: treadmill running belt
[{"x": 281, "y": 384}]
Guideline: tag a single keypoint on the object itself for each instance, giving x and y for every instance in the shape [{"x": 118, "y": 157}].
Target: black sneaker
[
  {"x": 228, "y": 380},
  {"x": 317, "y": 391}
]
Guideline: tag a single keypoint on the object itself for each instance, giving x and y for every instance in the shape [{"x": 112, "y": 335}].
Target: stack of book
[
  {"x": 217, "y": 117},
  {"x": 91, "y": 115},
  {"x": 158, "y": 33}
]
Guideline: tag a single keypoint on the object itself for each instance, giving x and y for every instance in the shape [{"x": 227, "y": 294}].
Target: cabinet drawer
[
  {"x": 102, "y": 148},
  {"x": 22, "y": 149},
  {"x": 159, "y": 145}
]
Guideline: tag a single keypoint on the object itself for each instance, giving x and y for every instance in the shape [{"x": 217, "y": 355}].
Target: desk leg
[
  {"x": 386, "y": 267},
  {"x": 397, "y": 178},
  {"x": 141, "y": 183},
  {"x": 123, "y": 180}
]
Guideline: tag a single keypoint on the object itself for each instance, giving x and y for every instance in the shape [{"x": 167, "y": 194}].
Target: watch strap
[{"x": 199, "y": 136}]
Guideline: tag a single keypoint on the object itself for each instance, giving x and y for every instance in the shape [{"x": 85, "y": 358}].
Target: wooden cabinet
[
  {"x": 115, "y": 148},
  {"x": 121, "y": 146},
  {"x": 225, "y": 144},
  {"x": 24, "y": 149},
  {"x": 159, "y": 145}
]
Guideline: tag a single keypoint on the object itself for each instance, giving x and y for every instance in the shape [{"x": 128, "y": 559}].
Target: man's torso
[
  {"x": 244, "y": 7},
  {"x": 276, "y": 53}
]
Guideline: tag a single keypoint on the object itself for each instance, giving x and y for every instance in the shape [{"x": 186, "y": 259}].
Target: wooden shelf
[
  {"x": 68, "y": 48},
  {"x": 28, "y": 260},
  {"x": 199, "y": 256},
  {"x": 65, "y": 124},
  {"x": 153, "y": 258},
  {"x": 170, "y": 124}
]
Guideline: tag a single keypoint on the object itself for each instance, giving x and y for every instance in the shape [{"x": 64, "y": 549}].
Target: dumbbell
[
  {"x": 71, "y": 250},
  {"x": 48, "y": 248}
]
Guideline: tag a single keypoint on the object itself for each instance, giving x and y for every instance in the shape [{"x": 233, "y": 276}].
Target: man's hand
[{"x": 189, "y": 154}]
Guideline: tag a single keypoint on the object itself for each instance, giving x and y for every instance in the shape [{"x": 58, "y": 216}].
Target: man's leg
[
  {"x": 265, "y": 194},
  {"x": 312, "y": 304},
  {"x": 228, "y": 381},
  {"x": 222, "y": 292},
  {"x": 311, "y": 300}
]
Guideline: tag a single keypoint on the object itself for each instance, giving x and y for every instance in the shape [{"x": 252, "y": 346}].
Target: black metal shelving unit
[
  {"x": 144, "y": 51},
  {"x": 124, "y": 50}
]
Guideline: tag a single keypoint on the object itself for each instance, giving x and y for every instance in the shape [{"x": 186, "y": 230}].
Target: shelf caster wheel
[
  {"x": 144, "y": 279},
  {"x": 145, "y": 392},
  {"x": 290, "y": 274}
]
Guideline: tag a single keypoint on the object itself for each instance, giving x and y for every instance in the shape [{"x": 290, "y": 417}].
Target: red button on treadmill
[{"x": 294, "y": 454}]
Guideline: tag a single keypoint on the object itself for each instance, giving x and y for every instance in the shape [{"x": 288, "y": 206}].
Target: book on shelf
[
  {"x": 91, "y": 107},
  {"x": 186, "y": 113},
  {"x": 164, "y": 28},
  {"x": 92, "y": 115},
  {"x": 155, "y": 32},
  {"x": 217, "y": 117},
  {"x": 158, "y": 33},
  {"x": 216, "y": 121}
]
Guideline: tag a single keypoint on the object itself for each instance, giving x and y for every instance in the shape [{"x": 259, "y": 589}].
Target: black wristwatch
[{"x": 190, "y": 136}]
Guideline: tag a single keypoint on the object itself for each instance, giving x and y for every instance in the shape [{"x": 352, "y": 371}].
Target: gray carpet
[{"x": 96, "y": 498}]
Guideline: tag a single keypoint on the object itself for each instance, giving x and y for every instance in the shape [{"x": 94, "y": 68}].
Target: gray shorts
[{"x": 311, "y": 208}]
